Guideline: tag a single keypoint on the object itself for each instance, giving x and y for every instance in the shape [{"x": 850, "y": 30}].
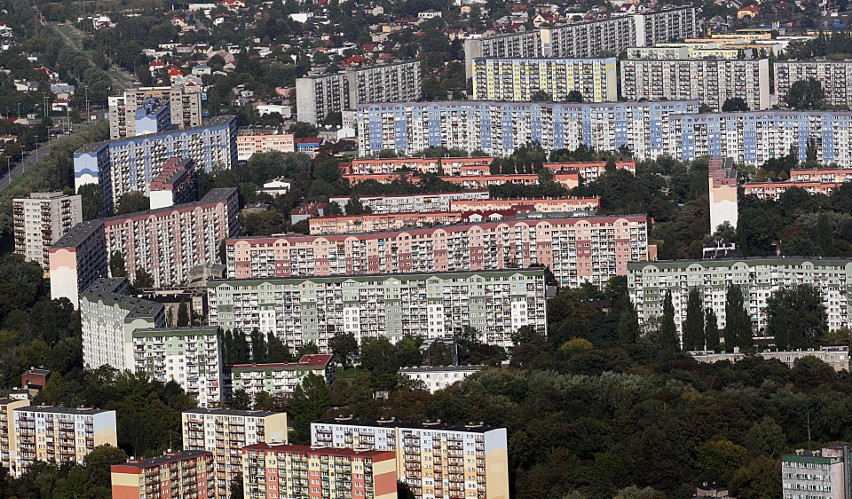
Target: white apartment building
[
  {"x": 40, "y": 220},
  {"x": 758, "y": 278},
  {"x": 437, "y": 461},
  {"x": 303, "y": 310},
  {"x": 59, "y": 434},
  {"x": 225, "y": 432},
  {"x": 280, "y": 378},
  {"x": 835, "y": 77},
  {"x": 710, "y": 81},
  {"x": 189, "y": 356},
  {"x": 836, "y": 356},
  {"x": 439, "y": 377},
  {"x": 821, "y": 474},
  {"x": 519, "y": 79}
]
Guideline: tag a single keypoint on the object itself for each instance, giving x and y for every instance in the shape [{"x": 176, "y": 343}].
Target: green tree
[
  {"x": 98, "y": 464},
  {"x": 258, "y": 346},
  {"x": 796, "y": 317},
  {"x": 236, "y": 488},
  {"x": 116, "y": 265},
  {"x": 668, "y": 329},
  {"x": 711, "y": 330},
  {"x": 734, "y": 104},
  {"x": 240, "y": 400},
  {"x": 132, "y": 202},
  {"x": 693, "y": 326},
  {"x": 379, "y": 357},
  {"x": 277, "y": 351},
  {"x": 766, "y": 437},
  {"x": 718, "y": 460},
  {"x": 757, "y": 480},
  {"x": 303, "y": 130},
  {"x": 311, "y": 399},
  {"x": 574, "y": 96},
  {"x": 308, "y": 348},
  {"x": 343, "y": 346},
  {"x": 144, "y": 279},
  {"x": 628, "y": 325},
  {"x": 183, "y": 315},
  {"x": 737, "y": 320},
  {"x": 806, "y": 94},
  {"x": 92, "y": 199}
]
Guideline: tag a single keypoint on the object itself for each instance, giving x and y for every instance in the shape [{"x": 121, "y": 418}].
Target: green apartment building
[
  {"x": 757, "y": 277},
  {"x": 303, "y": 310}
]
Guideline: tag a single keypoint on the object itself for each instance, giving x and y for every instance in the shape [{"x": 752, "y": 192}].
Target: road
[{"x": 29, "y": 160}]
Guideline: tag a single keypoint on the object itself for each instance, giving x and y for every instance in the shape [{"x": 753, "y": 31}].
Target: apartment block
[
  {"x": 130, "y": 164},
  {"x": 40, "y": 220},
  {"x": 822, "y": 474},
  {"x": 755, "y": 137},
  {"x": 542, "y": 205},
  {"x": 439, "y": 377},
  {"x": 589, "y": 38},
  {"x": 181, "y": 102},
  {"x": 758, "y": 278},
  {"x": 774, "y": 190},
  {"x": 837, "y": 357},
  {"x": 282, "y": 378},
  {"x": 821, "y": 175},
  {"x": 354, "y": 224},
  {"x": 225, "y": 432},
  {"x": 520, "y": 79},
  {"x": 439, "y": 166},
  {"x": 59, "y": 434},
  {"x": 177, "y": 183},
  {"x": 436, "y": 460},
  {"x": 407, "y": 203},
  {"x": 710, "y": 81},
  {"x": 251, "y": 141},
  {"x": 589, "y": 171},
  {"x": 577, "y": 249},
  {"x": 109, "y": 317},
  {"x": 303, "y": 310},
  {"x": 8, "y": 436},
  {"x": 279, "y": 471},
  {"x": 722, "y": 180},
  {"x": 189, "y": 356},
  {"x": 499, "y": 128},
  {"x": 317, "y": 96},
  {"x": 183, "y": 474},
  {"x": 167, "y": 243},
  {"x": 835, "y": 77}
]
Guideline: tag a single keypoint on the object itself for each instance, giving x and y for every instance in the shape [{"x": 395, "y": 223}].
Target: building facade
[
  {"x": 182, "y": 104},
  {"x": 722, "y": 180},
  {"x": 439, "y": 166},
  {"x": 577, "y": 249},
  {"x": 437, "y": 461},
  {"x": 40, "y": 220},
  {"x": 317, "y": 96},
  {"x": 835, "y": 77},
  {"x": 837, "y": 356},
  {"x": 521, "y": 79},
  {"x": 251, "y": 141},
  {"x": 407, "y": 203},
  {"x": 8, "y": 437},
  {"x": 542, "y": 205},
  {"x": 183, "y": 474},
  {"x": 822, "y": 175},
  {"x": 224, "y": 432},
  {"x": 167, "y": 243},
  {"x": 822, "y": 474},
  {"x": 499, "y": 128},
  {"x": 710, "y": 81},
  {"x": 287, "y": 471},
  {"x": 774, "y": 190},
  {"x": 130, "y": 164},
  {"x": 758, "y": 278},
  {"x": 280, "y": 379},
  {"x": 59, "y": 434},
  {"x": 177, "y": 183},
  {"x": 439, "y": 377},
  {"x": 303, "y": 310}
]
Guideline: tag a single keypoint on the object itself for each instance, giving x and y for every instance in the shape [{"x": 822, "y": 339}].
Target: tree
[
  {"x": 116, "y": 265},
  {"x": 98, "y": 464},
  {"x": 766, "y": 437},
  {"x": 355, "y": 207},
  {"x": 183, "y": 315},
  {"x": 311, "y": 399},
  {"x": 540, "y": 96},
  {"x": 132, "y": 202},
  {"x": 379, "y": 357},
  {"x": 718, "y": 460},
  {"x": 796, "y": 317},
  {"x": 711, "y": 330},
  {"x": 258, "y": 346},
  {"x": 757, "y": 480},
  {"x": 144, "y": 279},
  {"x": 92, "y": 199},
  {"x": 240, "y": 400},
  {"x": 574, "y": 96},
  {"x": 805, "y": 94},
  {"x": 628, "y": 325},
  {"x": 693, "y": 326},
  {"x": 737, "y": 320},
  {"x": 344, "y": 346},
  {"x": 734, "y": 104},
  {"x": 668, "y": 329},
  {"x": 277, "y": 351},
  {"x": 308, "y": 348},
  {"x": 303, "y": 130},
  {"x": 237, "y": 487}
]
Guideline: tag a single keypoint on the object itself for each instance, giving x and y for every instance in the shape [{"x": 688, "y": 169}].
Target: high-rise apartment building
[
  {"x": 577, "y": 249},
  {"x": 521, "y": 79},
  {"x": 710, "y": 81},
  {"x": 225, "y": 432},
  {"x": 40, "y": 220},
  {"x": 8, "y": 437},
  {"x": 758, "y": 278},
  {"x": 317, "y": 96},
  {"x": 834, "y": 76},
  {"x": 822, "y": 474},
  {"x": 189, "y": 356},
  {"x": 286, "y": 471},
  {"x": 178, "y": 106},
  {"x": 755, "y": 137},
  {"x": 821, "y": 175},
  {"x": 722, "y": 180},
  {"x": 184, "y": 474},
  {"x": 353, "y": 224},
  {"x": 499, "y": 128},
  {"x": 251, "y": 141},
  {"x": 167, "y": 243},
  {"x": 304, "y": 310},
  {"x": 612, "y": 35},
  {"x": 436, "y": 460},
  {"x": 59, "y": 434},
  {"x": 130, "y": 164}
]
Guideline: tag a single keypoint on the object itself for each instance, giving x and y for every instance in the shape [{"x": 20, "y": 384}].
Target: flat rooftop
[
  {"x": 347, "y": 421},
  {"x": 231, "y": 412}
]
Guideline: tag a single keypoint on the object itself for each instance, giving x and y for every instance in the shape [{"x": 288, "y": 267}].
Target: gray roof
[
  {"x": 152, "y": 462},
  {"x": 47, "y": 409},
  {"x": 472, "y": 428},
  {"x": 105, "y": 289},
  {"x": 426, "y": 369},
  {"x": 231, "y": 412},
  {"x": 215, "y": 121}
]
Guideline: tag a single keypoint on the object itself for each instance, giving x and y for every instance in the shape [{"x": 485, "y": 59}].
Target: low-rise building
[
  {"x": 836, "y": 356},
  {"x": 409, "y": 203},
  {"x": 281, "y": 378},
  {"x": 173, "y": 475},
  {"x": 774, "y": 190},
  {"x": 285, "y": 471},
  {"x": 251, "y": 141},
  {"x": 541, "y": 205},
  {"x": 438, "y": 377}
]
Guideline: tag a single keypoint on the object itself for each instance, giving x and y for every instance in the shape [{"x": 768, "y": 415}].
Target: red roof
[
  {"x": 175, "y": 72},
  {"x": 311, "y": 360},
  {"x": 157, "y": 64}
]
